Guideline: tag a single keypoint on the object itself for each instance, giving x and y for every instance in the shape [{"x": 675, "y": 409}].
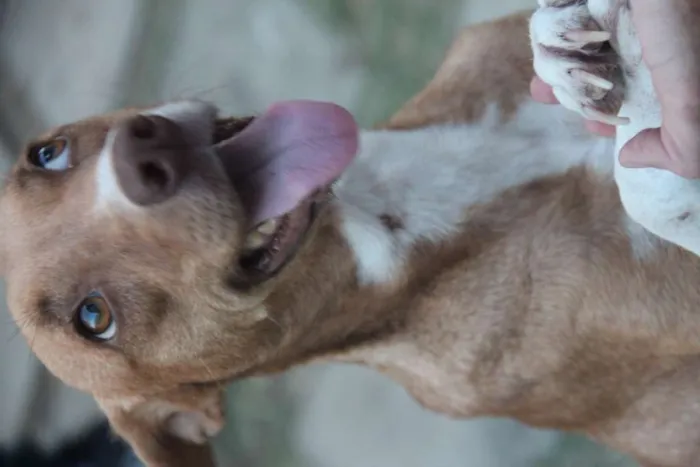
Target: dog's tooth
[
  {"x": 267, "y": 227},
  {"x": 255, "y": 240}
]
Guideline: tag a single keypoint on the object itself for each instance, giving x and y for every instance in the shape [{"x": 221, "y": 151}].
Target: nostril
[
  {"x": 150, "y": 158},
  {"x": 143, "y": 128},
  {"x": 155, "y": 176}
]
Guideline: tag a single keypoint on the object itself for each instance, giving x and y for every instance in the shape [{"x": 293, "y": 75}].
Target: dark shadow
[{"x": 96, "y": 448}]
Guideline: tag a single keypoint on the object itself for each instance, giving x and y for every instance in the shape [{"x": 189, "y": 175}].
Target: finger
[
  {"x": 600, "y": 129},
  {"x": 647, "y": 149},
  {"x": 542, "y": 92}
]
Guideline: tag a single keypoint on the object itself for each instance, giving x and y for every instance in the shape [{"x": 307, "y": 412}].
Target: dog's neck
[{"x": 401, "y": 217}]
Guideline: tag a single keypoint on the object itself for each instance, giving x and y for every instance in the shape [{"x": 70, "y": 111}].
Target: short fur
[{"x": 477, "y": 252}]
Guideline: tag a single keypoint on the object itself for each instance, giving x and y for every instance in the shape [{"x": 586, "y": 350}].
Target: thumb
[{"x": 646, "y": 150}]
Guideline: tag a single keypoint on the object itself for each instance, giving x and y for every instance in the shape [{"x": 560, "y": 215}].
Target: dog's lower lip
[{"x": 289, "y": 235}]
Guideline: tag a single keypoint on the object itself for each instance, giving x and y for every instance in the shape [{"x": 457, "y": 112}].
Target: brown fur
[{"x": 537, "y": 310}]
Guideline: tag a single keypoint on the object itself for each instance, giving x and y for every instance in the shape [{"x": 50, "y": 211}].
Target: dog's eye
[
  {"x": 95, "y": 318},
  {"x": 54, "y": 155}
]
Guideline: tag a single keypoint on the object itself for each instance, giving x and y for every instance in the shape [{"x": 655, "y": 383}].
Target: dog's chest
[{"x": 416, "y": 186}]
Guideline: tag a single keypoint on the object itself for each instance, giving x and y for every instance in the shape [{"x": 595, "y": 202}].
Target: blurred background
[{"x": 65, "y": 59}]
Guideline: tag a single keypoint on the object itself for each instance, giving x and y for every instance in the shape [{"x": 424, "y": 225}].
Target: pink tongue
[{"x": 288, "y": 153}]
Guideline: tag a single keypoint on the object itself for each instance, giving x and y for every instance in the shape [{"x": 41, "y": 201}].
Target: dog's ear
[{"x": 172, "y": 430}]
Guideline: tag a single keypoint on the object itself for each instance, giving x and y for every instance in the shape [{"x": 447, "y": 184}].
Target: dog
[{"x": 483, "y": 250}]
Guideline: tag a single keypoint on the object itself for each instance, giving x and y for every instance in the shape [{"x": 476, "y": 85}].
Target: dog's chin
[{"x": 272, "y": 244}]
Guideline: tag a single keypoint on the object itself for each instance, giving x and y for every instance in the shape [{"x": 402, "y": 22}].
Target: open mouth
[
  {"x": 282, "y": 165},
  {"x": 270, "y": 244}
]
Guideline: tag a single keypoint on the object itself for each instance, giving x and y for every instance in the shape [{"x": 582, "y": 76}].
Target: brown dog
[{"x": 476, "y": 251}]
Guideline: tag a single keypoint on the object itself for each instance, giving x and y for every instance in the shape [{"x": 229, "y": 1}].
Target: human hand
[{"x": 671, "y": 51}]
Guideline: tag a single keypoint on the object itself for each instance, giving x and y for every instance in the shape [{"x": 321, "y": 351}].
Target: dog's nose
[{"x": 151, "y": 157}]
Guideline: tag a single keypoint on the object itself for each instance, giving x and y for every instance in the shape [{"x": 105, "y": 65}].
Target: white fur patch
[
  {"x": 665, "y": 204},
  {"x": 109, "y": 194},
  {"x": 376, "y": 252},
  {"x": 428, "y": 178},
  {"x": 196, "y": 119},
  {"x": 179, "y": 109}
]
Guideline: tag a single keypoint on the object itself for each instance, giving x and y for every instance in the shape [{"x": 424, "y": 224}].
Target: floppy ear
[{"x": 172, "y": 430}]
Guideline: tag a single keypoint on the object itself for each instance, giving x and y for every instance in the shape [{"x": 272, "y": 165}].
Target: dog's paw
[
  {"x": 200, "y": 417},
  {"x": 573, "y": 55},
  {"x": 196, "y": 427}
]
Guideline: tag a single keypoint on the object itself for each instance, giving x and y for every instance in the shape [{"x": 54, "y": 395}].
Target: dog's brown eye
[
  {"x": 51, "y": 156},
  {"x": 95, "y": 318}
]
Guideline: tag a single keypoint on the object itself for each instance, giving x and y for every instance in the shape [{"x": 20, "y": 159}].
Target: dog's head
[{"x": 140, "y": 247}]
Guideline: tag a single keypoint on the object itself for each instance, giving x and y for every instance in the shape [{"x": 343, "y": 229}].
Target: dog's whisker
[
  {"x": 276, "y": 323},
  {"x": 19, "y": 323},
  {"x": 14, "y": 335},
  {"x": 212, "y": 377},
  {"x": 204, "y": 92},
  {"x": 31, "y": 342},
  {"x": 183, "y": 75}
]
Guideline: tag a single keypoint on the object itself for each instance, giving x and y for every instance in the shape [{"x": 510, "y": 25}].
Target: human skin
[{"x": 671, "y": 49}]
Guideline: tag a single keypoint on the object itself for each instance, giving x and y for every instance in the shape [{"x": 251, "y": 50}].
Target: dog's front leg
[
  {"x": 663, "y": 202},
  {"x": 572, "y": 49}
]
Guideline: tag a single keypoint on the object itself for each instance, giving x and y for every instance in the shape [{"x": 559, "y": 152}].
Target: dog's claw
[
  {"x": 587, "y": 37},
  {"x": 568, "y": 55},
  {"x": 597, "y": 115},
  {"x": 592, "y": 79}
]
